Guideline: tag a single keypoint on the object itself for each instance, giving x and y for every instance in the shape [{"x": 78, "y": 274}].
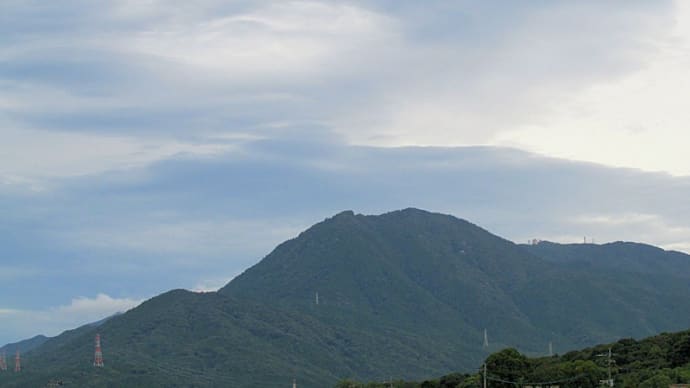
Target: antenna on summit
[
  {"x": 486, "y": 339},
  {"x": 550, "y": 348},
  {"x": 317, "y": 298}
]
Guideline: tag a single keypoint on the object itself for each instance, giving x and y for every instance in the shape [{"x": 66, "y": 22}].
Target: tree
[
  {"x": 508, "y": 364},
  {"x": 452, "y": 380},
  {"x": 659, "y": 380},
  {"x": 680, "y": 354}
]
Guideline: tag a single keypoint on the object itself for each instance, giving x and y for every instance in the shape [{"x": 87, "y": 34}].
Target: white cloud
[
  {"x": 212, "y": 285},
  {"x": 28, "y": 155},
  {"x": 639, "y": 120},
  {"x": 588, "y": 80},
  {"x": 100, "y": 306},
  {"x": 640, "y": 227},
  {"x": 581, "y": 82},
  {"x": 295, "y": 38},
  {"x": 54, "y": 320}
]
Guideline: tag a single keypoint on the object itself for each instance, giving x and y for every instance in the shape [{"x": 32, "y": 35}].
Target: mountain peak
[
  {"x": 366, "y": 262},
  {"x": 345, "y": 214}
]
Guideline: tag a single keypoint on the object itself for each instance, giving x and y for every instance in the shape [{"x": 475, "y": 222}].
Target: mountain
[{"x": 406, "y": 294}]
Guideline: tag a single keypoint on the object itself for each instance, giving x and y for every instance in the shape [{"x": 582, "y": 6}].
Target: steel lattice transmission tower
[
  {"x": 98, "y": 355},
  {"x": 3, "y": 362},
  {"x": 17, "y": 362}
]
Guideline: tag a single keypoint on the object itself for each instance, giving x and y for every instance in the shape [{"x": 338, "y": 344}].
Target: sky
[{"x": 149, "y": 145}]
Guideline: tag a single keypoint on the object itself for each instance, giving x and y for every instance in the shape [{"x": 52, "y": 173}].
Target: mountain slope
[
  {"x": 400, "y": 263},
  {"x": 182, "y": 338},
  {"x": 397, "y": 267},
  {"x": 406, "y": 294}
]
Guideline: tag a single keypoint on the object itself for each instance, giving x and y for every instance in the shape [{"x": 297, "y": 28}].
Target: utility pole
[
  {"x": 609, "y": 361},
  {"x": 484, "y": 374}
]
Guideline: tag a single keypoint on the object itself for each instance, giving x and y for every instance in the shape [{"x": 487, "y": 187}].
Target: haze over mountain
[{"x": 406, "y": 294}]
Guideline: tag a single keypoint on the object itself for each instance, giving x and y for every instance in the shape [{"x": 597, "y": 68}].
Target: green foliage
[
  {"x": 508, "y": 364},
  {"x": 659, "y": 380},
  {"x": 680, "y": 353}
]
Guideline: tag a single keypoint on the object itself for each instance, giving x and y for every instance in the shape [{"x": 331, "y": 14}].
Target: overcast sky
[{"x": 149, "y": 145}]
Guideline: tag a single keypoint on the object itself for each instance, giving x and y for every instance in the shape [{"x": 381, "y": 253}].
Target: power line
[{"x": 566, "y": 380}]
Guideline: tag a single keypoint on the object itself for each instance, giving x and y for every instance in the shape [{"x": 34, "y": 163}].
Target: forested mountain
[{"x": 406, "y": 294}]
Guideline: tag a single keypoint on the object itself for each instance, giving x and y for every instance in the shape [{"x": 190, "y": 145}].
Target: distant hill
[
  {"x": 36, "y": 341},
  {"x": 406, "y": 294},
  {"x": 619, "y": 256},
  {"x": 23, "y": 346}
]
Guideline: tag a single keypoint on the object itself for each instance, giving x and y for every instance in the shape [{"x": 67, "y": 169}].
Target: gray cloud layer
[{"x": 147, "y": 146}]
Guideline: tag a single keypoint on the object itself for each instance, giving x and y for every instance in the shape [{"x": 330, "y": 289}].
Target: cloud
[
  {"x": 212, "y": 285},
  {"x": 101, "y": 305},
  {"x": 21, "y": 324},
  {"x": 284, "y": 39},
  {"x": 629, "y": 226},
  {"x": 634, "y": 120},
  {"x": 542, "y": 77},
  {"x": 69, "y": 154},
  {"x": 520, "y": 67}
]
